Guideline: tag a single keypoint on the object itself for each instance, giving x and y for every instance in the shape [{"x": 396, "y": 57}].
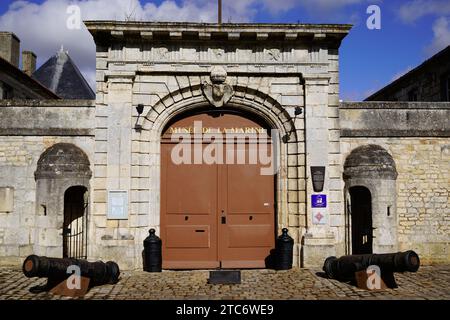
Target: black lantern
[
  {"x": 139, "y": 109},
  {"x": 297, "y": 111}
]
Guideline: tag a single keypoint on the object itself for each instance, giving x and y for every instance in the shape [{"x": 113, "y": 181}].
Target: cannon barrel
[
  {"x": 345, "y": 267},
  {"x": 99, "y": 272}
]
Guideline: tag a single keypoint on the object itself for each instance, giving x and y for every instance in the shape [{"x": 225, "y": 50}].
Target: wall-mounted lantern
[
  {"x": 139, "y": 109},
  {"x": 298, "y": 111}
]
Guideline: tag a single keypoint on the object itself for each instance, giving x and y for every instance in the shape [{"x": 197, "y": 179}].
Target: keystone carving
[{"x": 218, "y": 92}]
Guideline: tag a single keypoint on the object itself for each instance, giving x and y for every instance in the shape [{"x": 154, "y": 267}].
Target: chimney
[
  {"x": 28, "y": 62},
  {"x": 10, "y": 48}
]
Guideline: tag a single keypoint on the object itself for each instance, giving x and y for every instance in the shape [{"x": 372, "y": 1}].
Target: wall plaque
[
  {"x": 319, "y": 216},
  {"x": 6, "y": 199},
  {"x": 318, "y": 178},
  {"x": 319, "y": 201},
  {"x": 118, "y": 205}
]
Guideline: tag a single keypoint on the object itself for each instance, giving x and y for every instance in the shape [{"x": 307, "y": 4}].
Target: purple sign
[{"x": 319, "y": 201}]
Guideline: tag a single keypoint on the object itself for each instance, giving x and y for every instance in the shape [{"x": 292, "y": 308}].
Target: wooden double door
[{"x": 219, "y": 214}]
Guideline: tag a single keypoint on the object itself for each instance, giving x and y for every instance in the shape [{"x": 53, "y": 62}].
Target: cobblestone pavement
[{"x": 429, "y": 283}]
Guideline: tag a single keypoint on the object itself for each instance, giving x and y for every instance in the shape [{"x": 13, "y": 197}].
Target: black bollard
[
  {"x": 284, "y": 248},
  {"x": 152, "y": 253}
]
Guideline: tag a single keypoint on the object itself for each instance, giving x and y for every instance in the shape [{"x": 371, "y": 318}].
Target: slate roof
[
  {"x": 7, "y": 68},
  {"x": 61, "y": 75}
]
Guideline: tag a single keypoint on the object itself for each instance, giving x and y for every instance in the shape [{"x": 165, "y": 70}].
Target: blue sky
[{"x": 411, "y": 30}]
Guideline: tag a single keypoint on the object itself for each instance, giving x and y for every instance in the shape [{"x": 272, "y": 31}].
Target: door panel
[
  {"x": 188, "y": 204},
  {"x": 247, "y": 197},
  {"x": 248, "y": 236},
  {"x": 188, "y": 237}
]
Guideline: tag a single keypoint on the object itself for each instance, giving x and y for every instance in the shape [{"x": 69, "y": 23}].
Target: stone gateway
[{"x": 208, "y": 134}]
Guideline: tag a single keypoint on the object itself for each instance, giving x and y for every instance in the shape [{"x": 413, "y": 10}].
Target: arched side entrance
[
  {"x": 62, "y": 184},
  {"x": 370, "y": 186},
  {"x": 217, "y": 191},
  {"x": 76, "y": 204}
]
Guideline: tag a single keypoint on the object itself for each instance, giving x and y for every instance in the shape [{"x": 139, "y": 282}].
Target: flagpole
[{"x": 220, "y": 11}]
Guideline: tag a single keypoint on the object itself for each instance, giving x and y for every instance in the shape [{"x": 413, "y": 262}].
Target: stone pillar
[
  {"x": 319, "y": 241},
  {"x": 113, "y": 161},
  {"x": 119, "y": 131}
]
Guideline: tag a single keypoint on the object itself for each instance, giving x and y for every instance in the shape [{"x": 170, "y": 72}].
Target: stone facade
[
  {"x": 28, "y": 129},
  {"x": 273, "y": 71},
  {"x": 419, "y": 144}
]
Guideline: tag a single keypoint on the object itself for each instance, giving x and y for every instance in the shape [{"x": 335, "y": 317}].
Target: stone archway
[
  {"x": 245, "y": 99},
  {"x": 59, "y": 168},
  {"x": 371, "y": 167}
]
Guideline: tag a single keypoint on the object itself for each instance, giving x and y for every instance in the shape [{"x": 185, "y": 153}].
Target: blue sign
[{"x": 319, "y": 201}]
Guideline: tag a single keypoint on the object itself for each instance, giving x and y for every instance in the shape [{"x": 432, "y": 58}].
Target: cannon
[
  {"x": 344, "y": 268},
  {"x": 56, "y": 270}
]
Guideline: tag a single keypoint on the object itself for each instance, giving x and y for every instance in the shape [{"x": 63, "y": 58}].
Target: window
[
  {"x": 448, "y": 88},
  {"x": 445, "y": 87},
  {"x": 413, "y": 95},
  {"x": 6, "y": 92}
]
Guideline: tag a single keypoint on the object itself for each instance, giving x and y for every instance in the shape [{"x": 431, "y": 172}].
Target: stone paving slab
[{"x": 429, "y": 283}]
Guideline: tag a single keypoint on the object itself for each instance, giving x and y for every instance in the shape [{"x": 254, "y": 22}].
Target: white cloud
[
  {"x": 42, "y": 27},
  {"x": 441, "y": 39},
  {"x": 416, "y": 9}
]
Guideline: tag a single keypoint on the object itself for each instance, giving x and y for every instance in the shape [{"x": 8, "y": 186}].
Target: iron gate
[{"x": 76, "y": 207}]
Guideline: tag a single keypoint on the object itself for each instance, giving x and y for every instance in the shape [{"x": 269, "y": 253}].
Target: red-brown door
[
  {"x": 246, "y": 216},
  {"x": 189, "y": 208},
  {"x": 219, "y": 214}
]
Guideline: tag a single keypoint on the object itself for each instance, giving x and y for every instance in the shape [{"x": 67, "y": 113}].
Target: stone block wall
[
  {"x": 28, "y": 128},
  {"x": 421, "y": 152}
]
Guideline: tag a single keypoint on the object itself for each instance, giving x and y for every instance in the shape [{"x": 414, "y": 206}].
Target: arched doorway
[
  {"x": 76, "y": 205},
  {"x": 370, "y": 184},
  {"x": 361, "y": 220},
  {"x": 217, "y": 191},
  {"x": 62, "y": 183}
]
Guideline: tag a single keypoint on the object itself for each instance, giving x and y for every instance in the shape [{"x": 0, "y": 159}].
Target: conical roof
[{"x": 61, "y": 75}]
